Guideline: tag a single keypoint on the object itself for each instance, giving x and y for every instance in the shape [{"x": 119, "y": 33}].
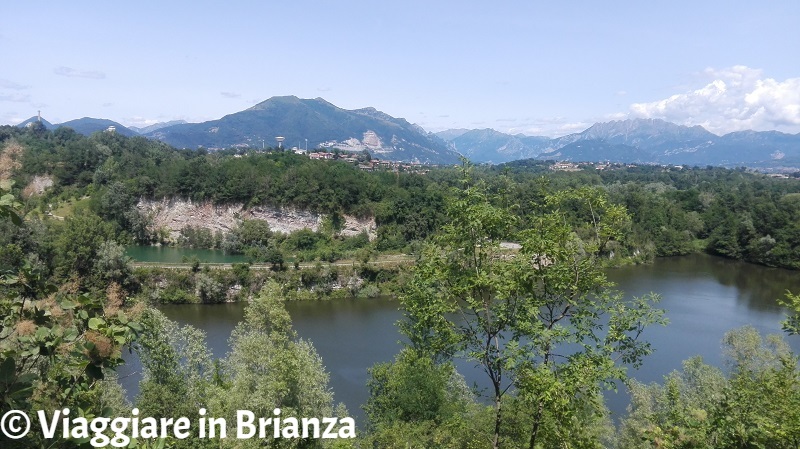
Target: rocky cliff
[{"x": 175, "y": 214}]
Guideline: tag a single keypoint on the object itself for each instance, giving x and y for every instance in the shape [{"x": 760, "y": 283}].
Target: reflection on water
[
  {"x": 754, "y": 286},
  {"x": 170, "y": 254},
  {"x": 704, "y": 297}
]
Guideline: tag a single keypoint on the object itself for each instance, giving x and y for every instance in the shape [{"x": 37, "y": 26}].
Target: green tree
[
  {"x": 678, "y": 413},
  {"x": 112, "y": 265},
  {"x": 208, "y": 289},
  {"x": 415, "y": 402},
  {"x": 542, "y": 320},
  {"x": 253, "y": 232},
  {"x": 269, "y": 367},
  {"x": 57, "y": 347},
  {"x": 178, "y": 376},
  {"x": 755, "y": 404},
  {"x": 77, "y": 245},
  {"x": 792, "y": 323}
]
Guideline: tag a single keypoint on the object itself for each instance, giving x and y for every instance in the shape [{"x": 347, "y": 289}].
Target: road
[{"x": 386, "y": 260}]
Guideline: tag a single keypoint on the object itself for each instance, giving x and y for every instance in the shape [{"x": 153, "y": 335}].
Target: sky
[{"x": 532, "y": 67}]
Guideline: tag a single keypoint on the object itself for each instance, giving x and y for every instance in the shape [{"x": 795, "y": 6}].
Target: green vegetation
[
  {"x": 267, "y": 368},
  {"x": 673, "y": 211},
  {"x": 509, "y": 276},
  {"x": 59, "y": 347},
  {"x": 756, "y": 403},
  {"x": 519, "y": 315}
]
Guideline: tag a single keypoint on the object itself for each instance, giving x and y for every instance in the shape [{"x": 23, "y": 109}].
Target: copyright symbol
[{"x": 15, "y": 424}]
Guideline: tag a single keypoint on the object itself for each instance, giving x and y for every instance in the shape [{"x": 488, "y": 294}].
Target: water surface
[
  {"x": 171, "y": 255},
  {"x": 704, "y": 297}
]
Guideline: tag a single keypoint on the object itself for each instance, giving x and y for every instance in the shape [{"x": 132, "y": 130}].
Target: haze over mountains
[
  {"x": 315, "y": 123},
  {"x": 635, "y": 141}
]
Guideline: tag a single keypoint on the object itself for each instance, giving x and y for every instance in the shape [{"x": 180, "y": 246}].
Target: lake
[
  {"x": 704, "y": 297},
  {"x": 171, "y": 255}
]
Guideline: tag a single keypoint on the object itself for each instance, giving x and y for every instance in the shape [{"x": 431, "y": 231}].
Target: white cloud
[
  {"x": 735, "y": 99},
  {"x": 75, "y": 73},
  {"x": 549, "y": 127},
  {"x": 11, "y": 118},
  {"x": 8, "y": 84},
  {"x": 230, "y": 94},
  {"x": 141, "y": 122},
  {"x": 15, "y": 98}
]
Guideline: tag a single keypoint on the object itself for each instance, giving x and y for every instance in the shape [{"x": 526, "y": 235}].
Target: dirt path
[{"x": 389, "y": 260}]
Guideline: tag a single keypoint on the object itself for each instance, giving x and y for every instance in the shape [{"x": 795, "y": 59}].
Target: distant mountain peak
[
  {"x": 84, "y": 125},
  {"x": 36, "y": 118},
  {"x": 273, "y": 101},
  {"x": 156, "y": 126},
  {"x": 647, "y": 125},
  {"x": 320, "y": 123}
]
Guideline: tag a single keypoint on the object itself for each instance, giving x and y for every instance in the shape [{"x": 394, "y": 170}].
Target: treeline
[
  {"x": 677, "y": 211},
  {"x": 115, "y": 172},
  {"x": 674, "y": 211},
  {"x": 541, "y": 321}
]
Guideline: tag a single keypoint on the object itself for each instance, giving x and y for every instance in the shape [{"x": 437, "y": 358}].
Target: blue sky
[{"x": 540, "y": 68}]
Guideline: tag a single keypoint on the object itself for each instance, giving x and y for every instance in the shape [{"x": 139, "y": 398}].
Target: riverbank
[
  {"x": 704, "y": 296},
  {"x": 224, "y": 283},
  {"x": 220, "y": 278}
]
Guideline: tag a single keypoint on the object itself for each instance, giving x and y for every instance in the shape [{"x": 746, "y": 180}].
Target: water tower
[{"x": 280, "y": 140}]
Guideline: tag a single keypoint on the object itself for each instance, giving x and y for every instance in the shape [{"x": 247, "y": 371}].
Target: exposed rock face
[
  {"x": 37, "y": 186},
  {"x": 176, "y": 214}
]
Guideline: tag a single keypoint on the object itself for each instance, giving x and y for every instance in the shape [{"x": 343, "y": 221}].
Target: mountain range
[
  {"x": 316, "y": 123},
  {"x": 85, "y": 125},
  {"x": 636, "y": 141},
  {"x": 303, "y": 123},
  {"x": 155, "y": 126}
]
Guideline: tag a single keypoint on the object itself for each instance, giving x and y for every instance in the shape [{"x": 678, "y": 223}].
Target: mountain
[
  {"x": 155, "y": 126},
  {"x": 319, "y": 123},
  {"x": 450, "y": 134},
  {"x": 599, "y": 151},
  {"x": 35, "y": 118},
  {"x": 651, "y": 141},
  {"x": 85, "y": 126},
  {"x": 652, "y": 134},
  {"x": 658, "y": 141},
  {"x": 88, "y": 125},
  {"x": 647, "y": 140},
  {"x": 488, "y": 145}
]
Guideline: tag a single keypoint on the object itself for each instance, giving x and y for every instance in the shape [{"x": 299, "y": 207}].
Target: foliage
[
  {"x": 178, "y": 371},
  {"x": 756, "y": 404},
  {"x": 542, "y": 320},
  {"x": 56, "y": 347},
  {"x": 415, "y": 401},
  {"x": 673, "y": 211},
  {"x": 269, "y": 368},
  {"x": 792, "y": 323},
  {"x": 77, "y": 244}
]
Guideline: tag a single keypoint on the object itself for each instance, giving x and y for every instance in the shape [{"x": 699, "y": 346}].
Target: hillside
[
  {"x": 155, "y": 126},
  {"x": 34, "y": 119},
  {"x": 89, "y": 125},
  {"x": 488, "y": 145},
  {"x": 317, "y": 122},
  {"x": 85, "y": 125}
]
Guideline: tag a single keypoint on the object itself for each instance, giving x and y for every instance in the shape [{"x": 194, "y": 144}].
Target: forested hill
[
  {"x": 116, "y": 171},
  {"x": 314, "y": 122},
  {"x": 673, "y": 211}
]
